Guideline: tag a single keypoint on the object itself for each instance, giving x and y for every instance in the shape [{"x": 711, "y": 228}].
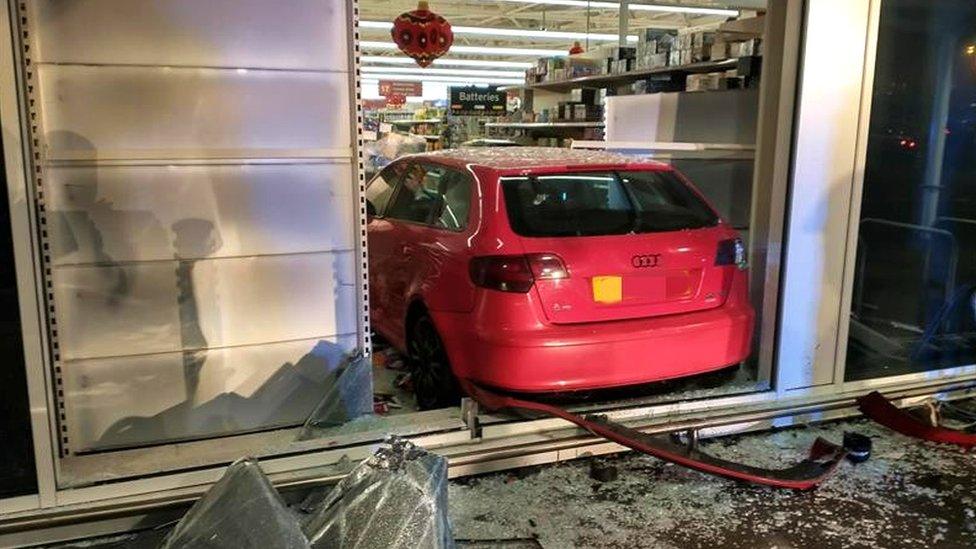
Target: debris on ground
[
  {"x": 886, "y": 502},
  {"x": 395, "y": 499},
  {"x": 241, "y": 510},
  {"x": 602, "y": 471}
]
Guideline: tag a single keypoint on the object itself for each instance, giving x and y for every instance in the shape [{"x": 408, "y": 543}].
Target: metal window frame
[{"x": 30, "y": 291}]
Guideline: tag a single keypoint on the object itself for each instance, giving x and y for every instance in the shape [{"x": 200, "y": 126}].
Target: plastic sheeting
[
  {"x": 395, "y": 499},
  {"x": 242, "y": 511}
]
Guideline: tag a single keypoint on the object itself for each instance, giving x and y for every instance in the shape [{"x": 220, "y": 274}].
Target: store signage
[
  {"x": 396, "y": 100},
  {"x": 400, "y": 87},
  {"x": 472, "y": 100},
  {"x": 374, "y": 104}
]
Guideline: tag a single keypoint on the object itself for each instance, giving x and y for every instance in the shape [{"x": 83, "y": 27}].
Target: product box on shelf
[
  {"x": 664, "y": 82},
  {"x": 579, "y": 66},
  {"x": 657, "y": 60},
  {"x": 707, "y": 82},
  {"x": 746, "y": 48},
  {"x": 674, "y": 58},
  {"x": 719, "y": 51},
  {"x": 586, "y": 96}
]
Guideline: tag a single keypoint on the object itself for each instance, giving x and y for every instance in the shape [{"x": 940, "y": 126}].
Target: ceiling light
[
  {"x": 513, "y": 33},
  {"x": 384, "y": 60},
  {"x": 633, "y": 6},
  {"x": 453, "y": 79},
  {"x": 489, "y": 50},
  {"x": 454, "y": 72}
]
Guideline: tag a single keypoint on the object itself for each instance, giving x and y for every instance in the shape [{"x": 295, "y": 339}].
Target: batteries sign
[{"x": 478, "y": 101}]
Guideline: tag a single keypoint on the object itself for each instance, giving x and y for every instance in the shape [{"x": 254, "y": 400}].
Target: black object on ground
[
  {"x": 858, "y": 447},
  {"x": 602, "y": 471}
]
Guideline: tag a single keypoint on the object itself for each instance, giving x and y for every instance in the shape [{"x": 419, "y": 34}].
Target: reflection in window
[{"x": 913, "y": 306}]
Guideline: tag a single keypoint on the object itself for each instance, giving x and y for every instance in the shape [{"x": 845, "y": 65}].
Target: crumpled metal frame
[{"x": 823, "y": 459}]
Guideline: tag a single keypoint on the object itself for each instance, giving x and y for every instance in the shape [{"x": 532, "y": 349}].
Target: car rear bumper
[{"x": 546, "y": 357}]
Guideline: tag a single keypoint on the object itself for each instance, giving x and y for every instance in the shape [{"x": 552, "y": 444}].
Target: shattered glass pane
[
  {"x": 349, "y": 396},
  {"x": 243, "y": 511},
  {"x": 397, "y": 499}
]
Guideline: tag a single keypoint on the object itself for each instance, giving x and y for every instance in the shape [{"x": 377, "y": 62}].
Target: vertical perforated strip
[
  {"x": 360, "y": 179},
  {"x": 28, "y": 67}
]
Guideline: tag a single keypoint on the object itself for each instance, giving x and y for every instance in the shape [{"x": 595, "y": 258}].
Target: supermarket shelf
[
  {"x": 427, "y": 137},
  {"x": 663, "y": 146},
  {"x": 531, "y": 125},
  {"x": 413, "y": 121},
  {"x": 609, "y": 80},
  {"x": 674, "y": 150}
]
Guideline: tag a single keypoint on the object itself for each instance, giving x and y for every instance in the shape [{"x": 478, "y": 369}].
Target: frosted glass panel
[
  {"x": 199, "y": 230},
  {"x": 141, "y": 213},
  {"x": 128, "y": 309},
  {"x": 140, "y": 400},
  {"x": 292, "y": 34},
  {"x": 128, "y": 112}
]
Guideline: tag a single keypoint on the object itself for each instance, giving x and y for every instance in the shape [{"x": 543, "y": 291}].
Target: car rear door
[
  {"x": 383, "y": 241},
  {"x": 635, "y": 244},
  {"x": 408, "y": 213},
  {"x": 442, "y": 251}
]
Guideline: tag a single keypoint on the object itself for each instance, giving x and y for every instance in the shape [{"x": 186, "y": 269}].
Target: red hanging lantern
[{"x": 422, "y": 34}]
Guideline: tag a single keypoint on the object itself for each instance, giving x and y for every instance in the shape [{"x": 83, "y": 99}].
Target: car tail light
[
  {"x": 515, "y": 273},
  {"x": 547, "y": 266},
  {"x": 732, "y": 252}
]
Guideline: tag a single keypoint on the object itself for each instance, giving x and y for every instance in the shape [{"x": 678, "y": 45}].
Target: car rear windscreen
[{"x": 603, "y": 203}]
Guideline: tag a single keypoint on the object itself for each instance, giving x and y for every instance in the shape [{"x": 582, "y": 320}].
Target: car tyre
[{"x": 433, "y": 381}]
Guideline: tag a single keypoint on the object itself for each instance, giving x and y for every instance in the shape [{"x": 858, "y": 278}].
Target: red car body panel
[{"x": 684, "y": 317}]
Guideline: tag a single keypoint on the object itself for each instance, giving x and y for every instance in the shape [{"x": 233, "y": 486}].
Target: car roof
[{"x": 521, "y": 158}]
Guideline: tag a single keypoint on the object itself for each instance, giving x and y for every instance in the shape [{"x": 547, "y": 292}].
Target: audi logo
[{"x": 645, "y": 261}]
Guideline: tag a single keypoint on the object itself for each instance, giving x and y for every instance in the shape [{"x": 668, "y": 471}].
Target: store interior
[{"x": 678, "y": 84}]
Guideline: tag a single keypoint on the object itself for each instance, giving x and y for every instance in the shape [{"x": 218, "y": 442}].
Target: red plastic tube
[{"x": 809, "y": 473}]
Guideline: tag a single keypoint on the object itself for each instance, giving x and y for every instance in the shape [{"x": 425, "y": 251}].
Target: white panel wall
[
  {"x": 134, "y": 112},
  {"x": 198, "y": 213},
  {"x": 296, "y": 34},
  {"x": 828, "y": 107}
]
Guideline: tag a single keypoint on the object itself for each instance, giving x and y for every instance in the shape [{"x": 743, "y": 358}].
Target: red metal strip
[
  {"x": 809, "y": 473},
  {"x": 879, "y": 409}
]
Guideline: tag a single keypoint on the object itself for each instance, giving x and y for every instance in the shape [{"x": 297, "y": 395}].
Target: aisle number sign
[
  {"x": 478, "y": 101},
  {"x": 403, "y": 88}
]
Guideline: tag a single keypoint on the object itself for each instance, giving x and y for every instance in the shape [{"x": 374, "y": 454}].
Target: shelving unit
[
  {"x": 536, "y": 130},
  {"x": 413, "y": 121},
  {"x": 613, "y": 80},
  {"x": 543, "y": 125}
]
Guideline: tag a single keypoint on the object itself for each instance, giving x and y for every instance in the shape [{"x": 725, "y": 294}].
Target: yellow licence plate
[{"x": 607, "y": 289}]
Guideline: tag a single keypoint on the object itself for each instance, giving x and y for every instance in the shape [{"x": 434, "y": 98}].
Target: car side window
[
  {"x": 453, "y": 189},
  {"x": 380, "y": 189},
  {"x": 434, "y": 195},
  {"x": 412, "y": 201}
]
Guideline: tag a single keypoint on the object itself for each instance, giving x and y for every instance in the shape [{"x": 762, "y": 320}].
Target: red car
[{"x": 551, "y": 270}]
